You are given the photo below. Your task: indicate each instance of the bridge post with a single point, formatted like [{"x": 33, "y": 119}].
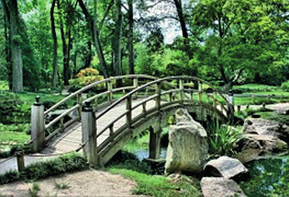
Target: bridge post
[
  {"x": 88, "y": 125},
  {"x": 135, "y": 85},
  {"x": 158, "y": 98},
  {"x": 109, "y": 88},
  {"x": 200, "y": 91},
  {"x": 128, "y": 108},
  {"x": 230, "y": 105},
  {"x": 37, "y": 125},
  {"x": 154, "y": 144},
  {"x": 181, "y": 86}
]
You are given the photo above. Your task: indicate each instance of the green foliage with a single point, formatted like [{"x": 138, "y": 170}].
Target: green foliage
[
  {"x": 269, "y": 177},
  {"x": 4, "y": 85},
  {"x": 12, "y": 109},
  {"x": 222, "y": 139},
  {"x": 61, "y": 185},
  {"x": 86, "y": 77},
  {"x": 285, "y": 86},
  {"x": 34, "y": 190},
  {"x": 56, "y": 166}
]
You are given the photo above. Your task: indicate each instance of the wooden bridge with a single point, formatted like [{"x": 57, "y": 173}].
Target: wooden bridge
[{"x": 102, "y": 117}]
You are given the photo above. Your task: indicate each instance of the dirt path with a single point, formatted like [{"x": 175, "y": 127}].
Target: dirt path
[{"x": 84, "y": 183}]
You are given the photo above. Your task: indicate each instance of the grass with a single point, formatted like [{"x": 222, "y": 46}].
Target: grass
[
  {"x": 61, "y": 185},
  {"x": 34, "y": 190},
  {"x": 255, "y": 87},
  {"x": 157, "y": 185}
]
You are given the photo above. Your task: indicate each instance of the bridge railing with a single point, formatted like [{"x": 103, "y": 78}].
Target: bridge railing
[
  {"x": 175, "y": 95},
  {"x": 51, "y": 126}
]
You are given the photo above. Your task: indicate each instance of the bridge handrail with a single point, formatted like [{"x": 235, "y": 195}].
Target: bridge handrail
[
  {"x": 78, "y": 105},
  {"x": 94, "y": 84},
  {"x": 156, "y": 82}
]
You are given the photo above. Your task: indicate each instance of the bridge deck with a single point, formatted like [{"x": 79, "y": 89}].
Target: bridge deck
[{"x": 71, "y": 138}]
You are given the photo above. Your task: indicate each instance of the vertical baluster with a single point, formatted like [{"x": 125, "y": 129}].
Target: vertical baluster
[
  {"x": 158, "y": 98},
  {"x": 181, "y": 86},
  {"x": 144, "y": 111},
  {"x": 128, "y": 109},
  {"x": 109, "y": 88},
  {"x": 200, "y": 91}
]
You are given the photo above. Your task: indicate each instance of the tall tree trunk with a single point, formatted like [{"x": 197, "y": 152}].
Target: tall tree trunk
[
  {"x": 17, "y": 81},
  {"x": 116, "y": 44},
  {"x": 94, "y": 34},
  {"x": 55, "y": 63},
  {"x": 97, "y": 42},
  {"x": 178, "y": 4},
  {"x": 88, "y": 56},
  {"x": 7, "y": 36},
  {"x": 130, "y": 37},
  {"x": 64, "y": 50},
  {"x": 69, "y": 47}
]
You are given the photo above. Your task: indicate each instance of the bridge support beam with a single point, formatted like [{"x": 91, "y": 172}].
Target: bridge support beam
[
  {"x": 89, "y": 134},
  {"x": 154, "y": 144},
  {"x": 37, "y": 126}
]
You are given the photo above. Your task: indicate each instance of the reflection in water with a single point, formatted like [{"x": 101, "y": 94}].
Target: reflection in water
[
  {"x": 268, "y": 177},
  {"x": 144, "y": 153}
]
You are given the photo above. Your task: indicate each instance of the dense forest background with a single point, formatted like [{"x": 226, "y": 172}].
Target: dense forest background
[{"x": 45, "y": 43}]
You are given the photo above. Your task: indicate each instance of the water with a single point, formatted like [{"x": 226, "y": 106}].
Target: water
[
  {"x": 144, "y": 153},
  {"x": 269, "y": 177}
]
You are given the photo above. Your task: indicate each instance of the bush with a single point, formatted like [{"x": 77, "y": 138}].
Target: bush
[
  {"x": 285, "y": 86},
  {"x": 12, "y": 109},
  {"x": 66, "y": 163},
  {"x": 86, "y": 77}
]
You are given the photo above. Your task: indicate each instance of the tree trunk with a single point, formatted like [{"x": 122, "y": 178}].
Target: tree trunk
[
  {"x": 17, "y": 81},
  {"x": 116, "y": 42},
  {"x": 130, "y": 36},
  {"x": 64, "y": 50},
  {"x": 55, "y": 63},
  {"x": 178, "y": 4},
  {"x": 69, "y": 47},
  {"x": 7, "y": 36},
  {"x": 88, "y": 56},
  {"x": 94, "y": 34}
]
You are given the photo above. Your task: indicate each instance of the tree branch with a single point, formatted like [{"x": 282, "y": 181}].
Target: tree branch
[{"x": 105, "y": 15}]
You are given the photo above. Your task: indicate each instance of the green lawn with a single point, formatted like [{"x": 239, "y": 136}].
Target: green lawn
[
  {"x": 160, "y": 186},
  {"x": 11, "y": 135}
]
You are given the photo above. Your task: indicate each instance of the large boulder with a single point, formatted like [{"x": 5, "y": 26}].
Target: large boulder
[
  {"x": 226, "y": 167},
  {"x": 253, "y": 146},
  {"x": 266, "y": 127},
  {"x": 188, "y": 149},
  {"x": 220, "y": 187}
]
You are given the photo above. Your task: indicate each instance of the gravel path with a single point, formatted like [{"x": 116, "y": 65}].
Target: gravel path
[{"x": 83, "y": 183}]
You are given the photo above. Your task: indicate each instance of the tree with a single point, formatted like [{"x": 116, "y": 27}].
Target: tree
[
  {"x": 130, "y": 36},
  {"x": 11, "y": 11},
  {"x": 55, "y": 62},
  {"x": 116, "y": 41},
  {"x": 241, "y": 37}
]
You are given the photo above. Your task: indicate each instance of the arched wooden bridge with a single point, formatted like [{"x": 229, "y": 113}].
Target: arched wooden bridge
[{"x": 120, "y": 113}]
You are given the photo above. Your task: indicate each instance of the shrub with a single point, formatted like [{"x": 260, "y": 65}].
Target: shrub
[
  {"x": 285, "y": 86},
  {"x": 12, "y": 109},
  {"x": 66, "y": 163},
  {"x": 86, "y": 77}
]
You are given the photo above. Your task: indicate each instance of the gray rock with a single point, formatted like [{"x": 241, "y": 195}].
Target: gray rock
[
  {"x": 220, "y": 187},
  {"x": 226, "y": 167},
  {"x": 267, "y": 143},
  {"x": 188, "y": 149},
  {"x": 266, "y": 127}
]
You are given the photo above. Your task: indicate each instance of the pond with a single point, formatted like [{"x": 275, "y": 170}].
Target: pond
[{"x": 269, "y": 177}]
